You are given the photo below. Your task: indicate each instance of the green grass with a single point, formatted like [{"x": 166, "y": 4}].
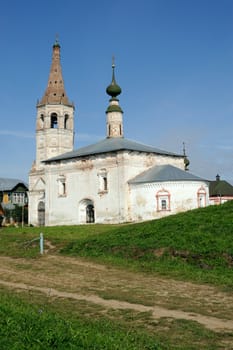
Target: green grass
[
  {"x": 25, "y": 326},
  {"x": 196, "y": 245},
  {"x": 27, "y": 323}
]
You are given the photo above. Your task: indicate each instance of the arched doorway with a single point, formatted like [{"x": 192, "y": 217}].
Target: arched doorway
[
  {"x": 41, "y": 214},
  {"x": 86, "y": 212},
  {"x": 90, "y": 214}
]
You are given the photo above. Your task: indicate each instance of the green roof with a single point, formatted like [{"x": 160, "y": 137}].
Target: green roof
[
  {"x": 220, "y": 188},
  {"x": 114, "y": 108}
]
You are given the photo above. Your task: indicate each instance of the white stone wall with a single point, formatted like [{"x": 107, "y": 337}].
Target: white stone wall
[
  {"x": 51, "y": 142},
  {"x": 183, "y": 196},
  {"x": 36, "y": 194},
  {"x": 82, "y": 182}
]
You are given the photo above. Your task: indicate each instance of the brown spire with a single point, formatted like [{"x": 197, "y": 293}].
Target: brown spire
[{"x": 55, "y": 92}]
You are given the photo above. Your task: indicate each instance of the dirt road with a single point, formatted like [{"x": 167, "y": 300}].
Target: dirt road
[{"x": 114, "y": 288}]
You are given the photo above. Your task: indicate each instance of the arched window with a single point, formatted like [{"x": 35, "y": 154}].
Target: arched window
[
  {"x": 66, "y": 122},
  {"x": 103, "y": 181},
  {"x": 54, "y": 122},
  {"x": 61, "y": 186},
  {"x": 41, "y": 121},
  {"x": 163, "y": 199},
  {"x": 201, "y": 197}
]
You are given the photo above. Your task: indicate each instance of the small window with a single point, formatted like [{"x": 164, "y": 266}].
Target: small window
[
  {"x": 163, "y": 204},
  {"x": 103, "y": 181},
  {"x": 41, "y": 121},
  {"x": 61, "y": 186},
  {"x": 163, "y": 200},
  {"x": 18, "y": 197},
  {"x": 66, "y": 120}
]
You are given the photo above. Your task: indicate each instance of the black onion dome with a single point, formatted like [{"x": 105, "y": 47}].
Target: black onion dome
[
  {"x": 113, "y": 89},
  {"x": 56, "y": 44},
  {"x": 186, "y": 162}
]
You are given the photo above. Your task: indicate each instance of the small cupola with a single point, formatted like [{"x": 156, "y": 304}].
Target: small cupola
[
  {"x": 114, "y": 112},
  {"x": 186, "y": 160}
]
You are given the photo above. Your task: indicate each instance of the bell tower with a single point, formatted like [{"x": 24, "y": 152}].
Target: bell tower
[
  {"x": 54, "y": 136},
  {"x": 55, "y": 116}
]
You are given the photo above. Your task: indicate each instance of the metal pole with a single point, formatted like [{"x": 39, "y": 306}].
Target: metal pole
[
  {"x": 41, "y": 244},
  {"x": 23, "y": 215}
]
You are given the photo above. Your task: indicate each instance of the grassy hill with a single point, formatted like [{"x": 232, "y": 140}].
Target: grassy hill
[{"x": 196, "y": 245}]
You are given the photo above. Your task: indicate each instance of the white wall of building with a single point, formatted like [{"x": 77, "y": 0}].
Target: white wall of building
[
  {"x": 83, "y": 177},
  {"x": 182, "y": 196}
]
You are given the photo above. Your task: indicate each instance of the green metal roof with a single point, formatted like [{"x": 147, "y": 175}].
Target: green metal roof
[
  {"x": 220, "y": 188},
  {"x": 114, "y": 108}
]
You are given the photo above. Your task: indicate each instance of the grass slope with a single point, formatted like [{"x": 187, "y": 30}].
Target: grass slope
[{"x": 195, "y": 245}]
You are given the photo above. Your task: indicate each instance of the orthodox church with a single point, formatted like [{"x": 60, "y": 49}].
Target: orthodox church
[{"x": 114, "y": 180}]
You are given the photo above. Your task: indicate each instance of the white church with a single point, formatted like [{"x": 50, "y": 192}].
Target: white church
[{"x": 115, "y": 180}]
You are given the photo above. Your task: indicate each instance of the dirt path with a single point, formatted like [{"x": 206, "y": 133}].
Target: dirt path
[{"x": 114, "y": 288}]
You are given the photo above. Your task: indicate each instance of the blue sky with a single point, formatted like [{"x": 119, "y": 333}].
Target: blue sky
[{"x": 174, "y": 63}]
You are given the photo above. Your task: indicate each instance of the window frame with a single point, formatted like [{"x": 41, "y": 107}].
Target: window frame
[
  {"x": 163, "y": 196},
  {"x": 201, "y": 194}
]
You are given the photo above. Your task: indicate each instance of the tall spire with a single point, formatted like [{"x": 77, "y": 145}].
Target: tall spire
[{"x": 55, "y": 91}]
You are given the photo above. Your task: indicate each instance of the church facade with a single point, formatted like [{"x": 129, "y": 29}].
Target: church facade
[{"x": 112, "y": 181}]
